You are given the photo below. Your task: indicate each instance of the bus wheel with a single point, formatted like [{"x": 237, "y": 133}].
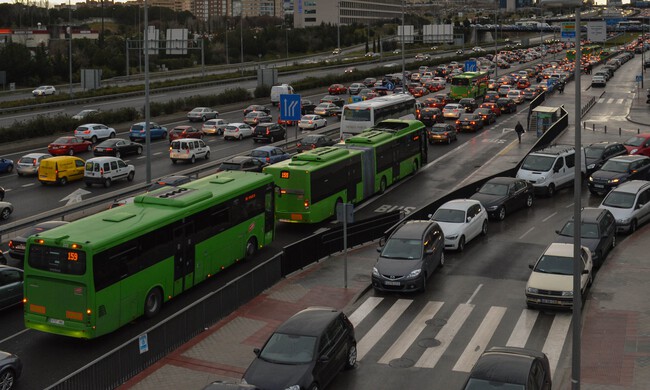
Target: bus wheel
[
  {"x": 336, "y": 206},
  {"x": 382, "y": 185},
  {"x": 416, "y": 166},
  {"x": 251, "y": 248},
  {"x": 153, "y": 303}
]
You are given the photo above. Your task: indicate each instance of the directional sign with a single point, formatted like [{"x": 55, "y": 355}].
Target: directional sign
[
  {"x": 470, "y": 66},
  {"x": 290, "y": 107},
  {"x": 568, "y": 30},
  {"x": 143, "y": 343}
]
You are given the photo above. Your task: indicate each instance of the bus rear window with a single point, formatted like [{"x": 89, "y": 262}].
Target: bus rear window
[
  {"x": 460, "y": 81},
  {"x": 362, "y": 115},
  {"x": 59, "y": 260}
]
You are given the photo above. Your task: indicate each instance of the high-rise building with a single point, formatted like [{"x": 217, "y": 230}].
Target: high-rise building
[{"x": 314, "y": 12}]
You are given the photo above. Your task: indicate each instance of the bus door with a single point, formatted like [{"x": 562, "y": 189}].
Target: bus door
[
  {"x": 368, "y": 169},
  {"x": 424, "y": 147},
  {"x": 269, "y": 214},
  {"x": 183, "y": 257}
]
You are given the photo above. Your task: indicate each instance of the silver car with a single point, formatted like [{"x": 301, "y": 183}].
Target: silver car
[
  {"x": 29, "y": 163},
  {"x": 214, "y": 126},
  {"x": 202, "y": 114}
]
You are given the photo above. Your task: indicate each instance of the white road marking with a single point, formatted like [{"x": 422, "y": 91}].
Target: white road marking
[
  {"x": 481, "y": 338},
  {"x": 601, "y": 100},
  {"x": 569, "y": 205},
  {"x": 524, "y": 326},
  {"x": 381, "y": 327},
  {"x": 469, "y": 301},
  {"x": 526, "y": 232},
  {"x": 14, "y": 335},
  {"x": 363, "y": 310},
  {"x": 549, "y": 217},
  {"x": 25, "y": 185},
  {"x": 555, "y": 339},
  {"x": 431, "y": 356},
  {"x": 620, "y": 101}
]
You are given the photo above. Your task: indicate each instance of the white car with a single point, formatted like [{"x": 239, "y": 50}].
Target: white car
[
  {"x": 516, "y": 95},
  {"x": 84, "y": 113},
  {"x": 630, "y": 205},
  {"x": 94, "y": 131},
  {"x": 214, "y": 126},
  {"x": 188, "y": 149},
  {"x": 452, "y": 110},
  {"x": 202, "y": 114},
  {"x": 44, "y": 90},
  {"x": 105, "y": 170},
  {"x": 504, "y": 89},
  {"x": 6, "y": 209},
  {"x": 551, "y": 282},
  {"x": 598, "y": 81},
  {"x": 461, "y": 220},
  {"x": 312, "y": 122},
  {"x": 237, "y": 131}
]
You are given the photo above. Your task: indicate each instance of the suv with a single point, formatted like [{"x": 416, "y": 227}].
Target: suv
[
  {"x": 630, "y": 204},
  {"x": 549, "y": 169},
  {"x": 597, "y": 153},
  {"x": 94, "y": 131},
  {"x": 618, "y": 170},
  {"x": 105, "y": 170},
  {"x": 269, "y": 132},
  {"x": 597, "y": 232},
  {"x": 409, "y": 257}
]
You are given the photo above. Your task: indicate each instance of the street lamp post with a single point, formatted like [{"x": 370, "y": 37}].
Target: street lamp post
[
  {"x": 147, "y": 113},
  {"x": 286, "y": 41},
  {"x": 496, "y": 63},
  {"x": 403, "y": 55},
  {"x": 70, "y": 44},
  {"x": 338, "y": 29},
  {"x": 241, "y": 40}
]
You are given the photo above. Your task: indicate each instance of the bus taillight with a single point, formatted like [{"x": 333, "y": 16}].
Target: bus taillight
[
  {"x": 306, "y": 203},
  {"x": 74, "y": 315}
]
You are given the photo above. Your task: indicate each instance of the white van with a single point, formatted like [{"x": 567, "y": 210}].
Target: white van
[
  {"x": 277, "y": 90},
  {"x": 105, "y": 170},
  {"x": 550, "y": 169}
]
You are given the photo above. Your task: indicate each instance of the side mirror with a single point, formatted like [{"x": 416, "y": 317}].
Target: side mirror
[
  {"x": 379, "y": 249},
  {"x": 257, "y": 351},
  {"x": 478, "y": 189},
  {"x": 556, "y": 170},
  {"x": 324, "y": 359},
  {"x": 557, "y": 232},
  {"x": 429, "y": 251},
  {"x": 531, "y": 266},
  {"x": 638, "y": 206},
  {"x": 469, "y": 219},
  {"x": 585, "y": 271}
]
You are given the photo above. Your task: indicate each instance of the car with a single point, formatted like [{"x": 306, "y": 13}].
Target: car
[
  {"x": 306, "y": 107},
  {"x": 83, "y": 114},
  {"x": 506, "y": 105},
  {"x": 312, "y": 122},
  {"x": 214, "y": 126},
  {"x": 618, "y": 170},
  {"x": 469, "y": 104},
  {"x": 269, "y": 132},
  {"x": 523, "y": 83},
  {"x": 327, "y": 109},
  {"x": 10, "y": 367},
  {"x": 503, "y": 195},
  {"x": 17, "y": 244},
  {"x": 598, "y": 153},
  {"x": 630, "y": 205},
  {"x": 276, "y": 92},
  {"x": 6, "y": 209},
  {"x": 314, "y": 141},
  {"x": 44, "y": 90},
  {"x": 137, "y": 131},
  {"x": 61, "y": 170},
  {"x": 336, "y": 100},
  {"x": 550, "y": 168},
  {"x": 442, "y": 132},
  {"x": 184, "y": 131},
  {"x": 105, "y": 170},
  {"x": 237, "y": 131},
  {"x": 597, "y": 232},
  {"x": 29, "y": 163},
  {"x": 434, "y": 102},
  {"x": 305, "y": 352},
  {"x": 337, "y": 89},
  {"x": 169, "y": 181},
  {"x": 492, "y": 106},
  {"x": 202, "y": 114},
  {"x": 369, "y": 81},
  {"x": 257, "y": 107},
  {"x": 469, "y": 121},
  {"x": 419, "y": 91},
  {"x": 188, "y": 149},
  {"x": 354, "y": 88},
  {"x": 598, "y": 81},
  {"x": 550, "y": 284},
  {"x": 269, "y": 154},
  {"x": 117, "y": 147},
  {"x": 491, "y": 96},
  {"x": 350, "y": 69},
  {"x": 6, "y": 165},
  {"x": 255, "y": 117},
  {"x": 639, "y": 144},
  {"x": 430, "y": 116},
  {"x": 459, "y": 51},
  {"x": 530, "y": 93},
  {"x": 94, "y": 131},
  {"x": 242, "y": 163},
  {"x": 488, "y": 116},
  {"x": 409, "y": 257},
  {"x": 510, "y": 368},
  {"x": 69, "y": 145},
  {"x": 452, "y": 110},
  {"x": 516, "y": 95},
  {"x": 461, "y": 220},
  {"x": 504, "y": 89}
]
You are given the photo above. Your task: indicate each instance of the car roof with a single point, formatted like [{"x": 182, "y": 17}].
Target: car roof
[
  {"x": 103, "y": 158},
  {"x": 602, "y": 144},
  {"x": 629, "y": 158},
  {"x": 412, "y": 229},
  {"x": 237, "y": 124},
  {"x": 632, "y": 186},
  {"x": 309, "y": 322},
  {"x": 505, "y": 365},
  {"x": 460, "y": 204},
  {"x": 34, "y": 155},
  {"x": 238, "y": 159},
  {"x": 503, "y": 180},
  {"x": 181, "y": 127}
]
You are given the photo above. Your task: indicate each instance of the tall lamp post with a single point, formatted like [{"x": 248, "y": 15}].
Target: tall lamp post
[
  {"x": 338, "y": 29},
  {"x": 147, "y": 113},
  {"x": 496, "y": 63},
  {"x": 403, "y": 55},
  {"x": 70, "y": 44}
]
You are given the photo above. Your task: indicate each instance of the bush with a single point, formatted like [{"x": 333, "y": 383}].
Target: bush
[{"x": 262, "y": 91}]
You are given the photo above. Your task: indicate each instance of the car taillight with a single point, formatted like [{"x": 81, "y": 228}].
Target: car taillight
[
  {"x": 268, "y": 131},
  {"x": 34, "y": 163},
  {"x": 11, "y": 244},
  {"x": 472, "y": 123},
  {"x": 458, "y": 122},
  {"x": 313, "y": 146},
  {"x": 87, "y": 132},
  {"x": 268, "y": 160}
]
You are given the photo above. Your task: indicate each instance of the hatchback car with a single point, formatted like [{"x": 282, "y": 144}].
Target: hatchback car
[
  {"x": 137, "y": 131},
  {"x": 314, "y": 141},
  {"x": 237, "y": 131},
  {"x": 506, "y": 105},
  {"x": 510, "y": 368},
  {"x": 516, "y": 95},
  {"x": 618, "y": 170},
  {"x": 336, "y": 100},
  {"x": 469, "y": 122},
  {"x": 337, "y": 89},
  {"x": 44, "y": 90},
  {"x": 597, "y": 153},
  {"x": 269, "y": 132},
  {"x": 69, "y": 145},
  {"x": 504, "y": 89},
  {"x": 597, "y": 232},
  {"x": 255, "y": 117},
  {"x": 491, "y": 97},
  {"x": 430, "y": 116},
  {"x": 11, "y": 292},
  {"x": 214, "y": 126},
  {"x": 639, "y": 144},
  {"x": 188, "y": 149},
  {"x": 530, "y": 93},
  {"x": 117, "y": 147},
  {"x": 305, "y": 352},
  {"x": 179, "y": 132},
  {"x": 488, "y": 116},
  {"x": 94, "y": 131},
  {"x": 105, "y": 170},
  {"x": 242, "y": 163},
  {"x": 442, "y": 133},
  {"x": 551, "y": 282},
  {"x": 29, "y": 163},
  {"x": 461, "y": 221},
  {"x": 354, "y": 88},
  {"x": 503, "y": 195},
  {"x": 469, "y": 104},
  {"x": 202, "y": 114},
  {"x": 598, "y": 81},
  {"x": 409, "y": 257},
  {"x": 312, "y": 122},
  {"x": 452, "y": 110},
  {"x": 270, "y": 154},
  {"x": 17, "y": 244},
  {"x": 630, "y": 205},
  {"x": 492, "y": 107}
]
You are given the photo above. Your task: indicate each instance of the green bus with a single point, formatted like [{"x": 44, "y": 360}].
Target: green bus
[
  {"x": 94, "y": 275},
  {"x": 586, "y": 51},
  {"x": 469, "y": 85},
  {"x": 309, "y": 186}
]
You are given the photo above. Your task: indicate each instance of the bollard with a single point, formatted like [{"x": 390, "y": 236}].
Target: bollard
[
  {"x": 619, "y": 131},
  {"x": 584, "y": 125},
  {"x": 605, "y": 129},
  {"x": 638, "y": 131},
  {"x": 593, "y": 127}
]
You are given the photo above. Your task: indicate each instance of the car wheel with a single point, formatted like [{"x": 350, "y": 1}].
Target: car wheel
[
  {"x": 63, "y": 181},
  {"x": 139, "y": 151},
  {"x": 6, "y": 212},
  {"x": 272, "y": 139},
  {"x": 613, "y": 242},
  {"x": 173, "y": 161},
  {"x": 424, "y": 282},
  {"x": 501, "y": 214},
  {"x": 152, "y": 303},
  {"x": 352, "y": 356},
  {"x": 550, "y": 190},
  {"x": 93, "y": 139},
  {"x": 251, "y": 248},
  {"x": 448, "y": 140},
  {"x": 193, "y": 159},
  {"x": 529, "y": 200},
  {"x": 71, "y": 152},
  {"x": 7, "y": 379},
  {"x": 89, "y": 184},
  {"x": 241, "y": 137},
  {"x": 203, "y": 118},
  {"x": 130, "y": 176},
  {"x": 107, "y": 182},
  {"x": 112, "y": 135},
  {"x": 484, "y": 228},
  {"x": 461, "y": 244},
  {"x": 442, "y": 259},
  {"x": 207, "y": 155},
  {"x": 163, "y": 136},
  {"x": 314, "y": 386},
  {"x": 632, "y": 226},
  {"x": 118, "y": 154}
]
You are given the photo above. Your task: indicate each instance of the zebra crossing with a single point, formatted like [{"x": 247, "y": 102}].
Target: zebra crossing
[
  {"x": 382, "y": 319},
  {"x": 617, "y": 101}
]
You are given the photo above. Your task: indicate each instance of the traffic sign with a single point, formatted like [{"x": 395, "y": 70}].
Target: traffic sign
[
  {"x": 568, "y": 30},
  {"x": 290, "y": 108},
  {"x": 389, "y": 86},
  {"x": 470, "y": 66}
]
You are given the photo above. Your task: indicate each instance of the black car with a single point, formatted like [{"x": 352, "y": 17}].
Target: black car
[
  {"x": 269, "y": 132},
  {"x": 430, "y": 116},
  {"x": 10, "y": 369},
  {"x": 257, "y": 107},
  {"x": 617, "y": 171},
  {"x": 409, "y": 257},
  {"x": 503, "y": 195},
  {"x": 306, "y": 107},
  {"x": 17, "y": 245},
  {"x": 510, "y": 368},
  {"x": 487, "y": 115},
  {"x": 597, "y": 232},
  {"x": 242, "y": 163},
  {"x": 442, "y": 133},
  {"x": 117, "y": 147},
  {"x": 11, "y": 288},
  {"x": 305, "y": 352},
  {"x": 173, "y": 181},
  {"x": 469, "y": 104},
  {"x": 369, "y": 82},
  {"x": 337, "y": 100},
  {"x": 597, "y": 153},
  {"x": 314, "y": 141},
  {"x": 469, "y": 121},
  {"x": 506, "y": 105}
]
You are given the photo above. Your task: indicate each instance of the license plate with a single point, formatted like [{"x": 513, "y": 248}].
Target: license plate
[
  {"x": 549, "y": 301},
  {"x": 391, "y": 283},
  {"x": 55, "y": 321},
  {"x": 599, "y": 186},
  {"x": 99, "y": 149},
  {"x": 20, "y": 247}
]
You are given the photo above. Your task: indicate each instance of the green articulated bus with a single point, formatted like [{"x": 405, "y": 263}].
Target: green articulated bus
[
  {"x": 469, "y": 85},
  {"x": 94, "y": 275},
  {"x": 309, "y": 186}
]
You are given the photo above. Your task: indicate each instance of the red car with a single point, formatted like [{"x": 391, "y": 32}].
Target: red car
[
  {"x": 337, "y": 89},
  {"x": 419, "y": 91},
  {"x": 523, "y": 83},
  {"x": 492, "y": 106},
  {"x": 179, "y": 132},
  {"x": 639, "y": 144},
  {"x": 69, "y": 146}
]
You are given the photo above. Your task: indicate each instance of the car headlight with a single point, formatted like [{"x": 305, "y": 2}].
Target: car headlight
[
  {"x": 294, "y": 387},
  {"x": 634, "y": 151},
  {"x": 623, "y": 221},
  {"x": 532, "y": 290},
  {"x": 590, "y": 178},
  {"x": 567, "y": 293},
  {"x": 613, "y": 181},
  {"x": 455, "y": 236},
  {"x": 591, "y": 166},
  {"x": 492, "y": 208},
  {"x": 375, "y": 272},
  {"x": 414, "y": 273}
]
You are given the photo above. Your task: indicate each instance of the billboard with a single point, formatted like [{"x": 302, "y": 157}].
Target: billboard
[
  {"x": 176, "y": 41},
  {"x": 438, "y": 33},
  {"x": 153, "y": 38},
  {"x": 408, "y": 34},
  {"x": 597, "y": 31}
]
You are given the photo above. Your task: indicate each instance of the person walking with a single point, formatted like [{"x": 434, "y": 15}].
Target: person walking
[
  {"x": 2, "y": 194},
  {"x": 560, "y": 87},
  {"x": 519, "y": 129}
]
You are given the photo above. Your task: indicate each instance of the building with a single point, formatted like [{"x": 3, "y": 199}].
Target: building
[{"x": 308, "y": 13}]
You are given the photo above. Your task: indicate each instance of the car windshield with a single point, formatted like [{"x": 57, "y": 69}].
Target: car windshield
[
  {"x": 592, "y": 152},
  {"x": 634, "y": 141},
  {"x": 137, "y": 127},
  {"x": 289, "y": 349},
  {"x": 494, "y": 189},
  {"x": 616, "y": 166},
  {"x": 439, "y": 129},
  {"x": 556, "y": 265},
  {"x": 621, "y": 200},
  {"x": 449, "y": 215},
  {"x": 587, "y": 230},
  {"x": 483, "y": 384},
  {"x": 538, "y": 163},
  {"x": 402, "y": 248},
  {"x": 259, "y": 153},
  {"x": 61, "y": 140}
]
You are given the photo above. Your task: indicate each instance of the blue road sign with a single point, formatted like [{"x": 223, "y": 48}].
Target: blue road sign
[
  {"x": 389, "y": 86},
  {"x": 290, "y": 107},
  {"x": 143, "y": 343},
  {"x": 470, "y": 66}
]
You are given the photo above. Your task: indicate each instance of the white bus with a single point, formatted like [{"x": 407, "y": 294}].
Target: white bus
[{"x": 357, "y": 117}]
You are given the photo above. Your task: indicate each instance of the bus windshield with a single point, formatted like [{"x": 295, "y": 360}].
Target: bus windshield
[{"x": 356, "y": 115}]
